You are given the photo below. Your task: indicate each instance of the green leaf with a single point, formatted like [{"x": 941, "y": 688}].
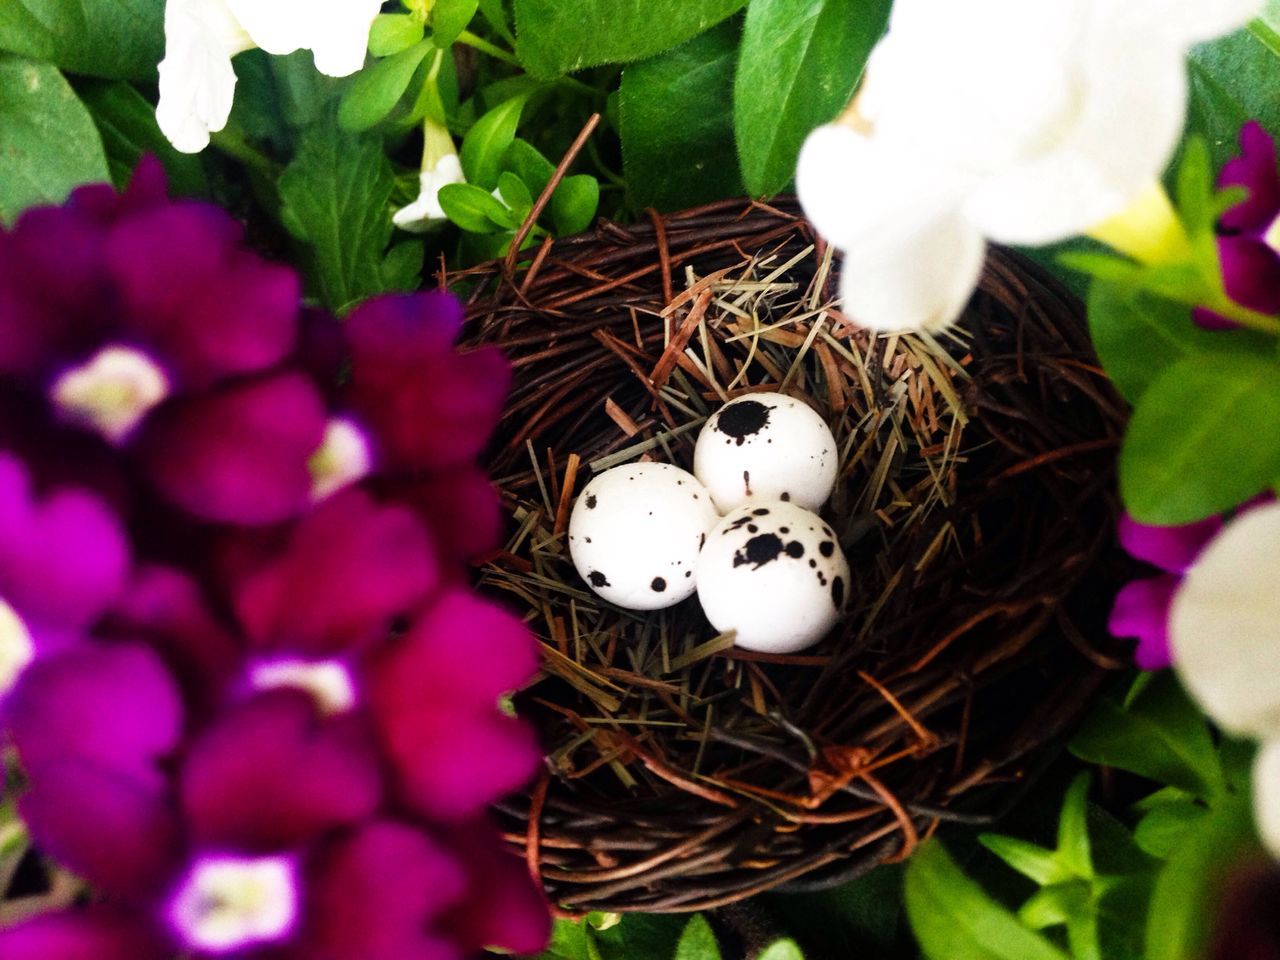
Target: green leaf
[
  {"x": 48, "y": 143},
  {"x": 1034, "y": 862},
  {"x": 676, "y": 124},
  {"x": 1138, "y": 335},
  {"x": 1231, "y": 80},
  {"x": 449, "y": 18},
  {"x": 799, "y": 63},
  {"x": 1266, "y": 27},
  {"x": 495, "y": 12},
  {"x": 524, "y": 160},
  {"x": 127, "y": 123},
  {"x": 1073, "y": 830},
  {"x": 560, "y": 36},
  {"x": 954, "y": 919},
  {"x": 573, "y": 205},
  {"x": 476, "y": 210},
  {"x": 1199, "y": 441},
  {"x": 379, "y": 88},
  {"x": 1184, "y": 900},
  {"x": 515, "y": 194},
  {"x": 336, "y": 200},
  {"x": 782, "y": 950},
  {"x": 115, "y": 39},
  {"x": 697, "y": 942},
  {"x": 1051, "y": 906},
  {"x": 1161, "y": 735},
  {"x": 394, "y": 33},
  {"x": 487, "y": 142},
  {"x": 1163, "y": 830}
]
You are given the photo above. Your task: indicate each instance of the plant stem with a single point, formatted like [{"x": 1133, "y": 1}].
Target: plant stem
[{"x": 484, "y": 46}]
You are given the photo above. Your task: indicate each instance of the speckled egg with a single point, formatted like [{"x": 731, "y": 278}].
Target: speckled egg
[
  {"x": 766, "y": 446},
  {"x": 774, "y": 573},
  {"x": 636, "y": 531}
]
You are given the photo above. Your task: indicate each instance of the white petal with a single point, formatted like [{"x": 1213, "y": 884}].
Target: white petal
[
  {"x": 340, "y": 34},
  {"x": 197, "y": 82},
  {"x": 916, "y": 278},
  {"x": 1130, "y": 97},
  {"x": 426, "y": 212},
  {"x": 277, "y": 26},
  {"x": 1266, "y": 795},
  {"x": 1225, "y": 626}
]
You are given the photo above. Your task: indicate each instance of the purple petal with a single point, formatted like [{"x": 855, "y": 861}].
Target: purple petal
[
  {"x": 118, "y": 834},
  {"x": 523, "y": 925},
  {"x": 63, "y": 558},
  {"x": 1250, "y": 273},
  {"x": 239, "y": 455},
  {"x": 86, "y": 933},
  {"x": 1170, "y": 548},
  {"x": 434, "y": 700},
  {"x": 462, "y": 509},
  {"x": 1254, "y": 169},
  {"x": 349, "y": 569},
  {"x": 117, "y": 707},
  {"x": 1141, "y": 610},
  {"x": 271, "y": 775},
  {"x": 375, "y": 895},
  {"x": 427, "y": 405}
]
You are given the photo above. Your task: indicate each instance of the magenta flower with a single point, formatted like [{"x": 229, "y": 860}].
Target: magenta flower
[
  {"x": 1141, "y": 608},
  {"x": 1249, "y": 241},
  {"x": 63, "y": 561}
]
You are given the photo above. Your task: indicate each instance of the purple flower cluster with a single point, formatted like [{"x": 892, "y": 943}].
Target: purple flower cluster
[{"x": 254, "y": 703}]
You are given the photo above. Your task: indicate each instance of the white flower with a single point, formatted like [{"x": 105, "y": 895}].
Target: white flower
[
  {"x": 1015, "y": 121},
  {"x": 425, "y": 212},
  {"x": 197, "y": 82},
  {"x": 1224, "y": 628},
  {"x": 1266, "y": 795},
  {"x": 440, "y": 167}
]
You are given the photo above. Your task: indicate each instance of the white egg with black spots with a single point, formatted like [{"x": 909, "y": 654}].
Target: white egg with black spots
[
  {"x": 775, "y": 574},
  {"x": 766, "y": 446},
  {"x": 636, "y": 531}
]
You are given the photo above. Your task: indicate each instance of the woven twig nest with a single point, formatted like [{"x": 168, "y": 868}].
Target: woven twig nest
[{"x": 974, "y": 499}]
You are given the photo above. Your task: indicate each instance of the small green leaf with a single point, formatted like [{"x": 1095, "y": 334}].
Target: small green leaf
[
  {"x": 697, "y": 942},
  {"x": 670, "y": 165},
  {"x": 378, "y": 89},
  {"x": 524, "y": 160},
  {"x": 486, "y": 143},
  {"x": 1195, "y": 445},
  {"x": 1050, "y": 906},
  {"x": 515, "y": 194},
  {"x": 48, "y": 142},
  {"x": 954, "y": 919},
  {"x": 573, "y": 205},
  {"x": 1160, "y": 735},
  {"x": 495, "y": 12},
  {"x": 449, "y": 18},
  {"x": 799, "y": 63},
  {"x": 782, "y": 950},
  {"x": 1167, "y": 825},
  {"x": 394, "y": 33},
  {"x": 475, "y": 209},
  {"x": 556, "y": 37},
  {"x": 1073, "y": 830},
  {"x": 1035, "y": 863}
]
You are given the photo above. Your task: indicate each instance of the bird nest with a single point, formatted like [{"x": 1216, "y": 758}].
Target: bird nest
[{"x": 975, "y": 497}]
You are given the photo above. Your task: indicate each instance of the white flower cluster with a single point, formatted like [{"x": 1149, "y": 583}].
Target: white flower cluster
[{"x": 1018, "y": 121}]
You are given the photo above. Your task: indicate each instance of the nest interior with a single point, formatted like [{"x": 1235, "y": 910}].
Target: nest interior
[{"x": 974, "y": 501}]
